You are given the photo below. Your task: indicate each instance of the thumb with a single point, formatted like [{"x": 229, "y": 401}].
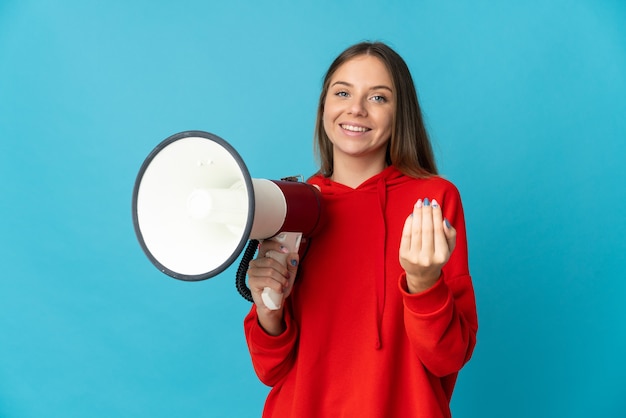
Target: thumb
[{"x": 293, "y": 262}]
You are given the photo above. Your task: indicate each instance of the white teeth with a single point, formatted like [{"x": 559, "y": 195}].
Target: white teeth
[{"x": 354, "y": 128}]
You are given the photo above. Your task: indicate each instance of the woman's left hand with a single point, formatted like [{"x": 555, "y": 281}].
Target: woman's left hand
[{"x": 427, "y": 242}]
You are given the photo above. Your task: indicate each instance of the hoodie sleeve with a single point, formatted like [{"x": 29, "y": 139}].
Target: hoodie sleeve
[
  {"x": 272, "y": 356},
  {"x": 441, "y": 322}
]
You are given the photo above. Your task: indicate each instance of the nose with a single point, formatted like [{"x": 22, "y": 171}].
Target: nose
[{"x": 357, "y": 107}]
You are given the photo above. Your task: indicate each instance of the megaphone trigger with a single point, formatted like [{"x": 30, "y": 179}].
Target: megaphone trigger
[{"x": 291, "y": 241}]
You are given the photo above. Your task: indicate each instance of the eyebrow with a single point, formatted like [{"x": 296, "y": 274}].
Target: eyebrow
[{"x": 345, "y": 83}]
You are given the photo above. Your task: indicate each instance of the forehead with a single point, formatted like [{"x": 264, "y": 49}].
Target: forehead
[{"x": 363, "y": 69}]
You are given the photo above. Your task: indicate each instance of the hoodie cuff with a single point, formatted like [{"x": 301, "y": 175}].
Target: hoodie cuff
[
  {"x": 429, "y": 301},
  {"x": 269, "y": 342}
]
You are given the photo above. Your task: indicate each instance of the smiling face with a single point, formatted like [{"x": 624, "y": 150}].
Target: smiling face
[{"x": 359, "y": 111}]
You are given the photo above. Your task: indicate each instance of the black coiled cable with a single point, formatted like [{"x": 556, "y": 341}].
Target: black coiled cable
[{"x": 240, "y": 280}]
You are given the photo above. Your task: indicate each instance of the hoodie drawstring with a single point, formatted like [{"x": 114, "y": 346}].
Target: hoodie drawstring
[{"x": 381, "y": 279}]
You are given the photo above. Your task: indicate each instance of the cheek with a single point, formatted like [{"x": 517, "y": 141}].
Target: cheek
[
  {"x": 332, "y": 109},
  {"x": 328, "y": 125},
  {"x": 328, "y": 117},
  {"x": 388, "y": 121}
]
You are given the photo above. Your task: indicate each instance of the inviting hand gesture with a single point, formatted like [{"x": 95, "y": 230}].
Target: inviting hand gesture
[{"x": 427, "y": 242}]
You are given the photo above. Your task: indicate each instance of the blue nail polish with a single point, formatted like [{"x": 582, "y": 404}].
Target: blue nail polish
[
  {"x": 426, "y": 202},
  {"x": 294, "y": 263},
  {"x": 447, "y": 222}
]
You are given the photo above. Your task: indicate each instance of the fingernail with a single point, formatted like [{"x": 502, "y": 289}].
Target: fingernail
[
  {"x": 294, "y": 262},
  {"x": 445, "y": 220},
  {"x": 435, "y": 204},
  {"x": 284, "y": 249},
  {"x": 418, "y": 204},
  {"x": 426, "y": 202}
]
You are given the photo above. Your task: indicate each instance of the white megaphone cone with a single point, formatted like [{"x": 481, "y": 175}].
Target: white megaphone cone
[{"x": 195, "y": 206}]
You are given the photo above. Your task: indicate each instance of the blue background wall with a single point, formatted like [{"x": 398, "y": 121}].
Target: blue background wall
[{"x": 526, "y": 104}]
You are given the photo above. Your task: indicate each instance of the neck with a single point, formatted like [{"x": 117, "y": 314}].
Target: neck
[{"x": 352, "y": 173}]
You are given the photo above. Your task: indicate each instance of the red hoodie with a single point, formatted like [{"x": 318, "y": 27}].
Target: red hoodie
[{"x": 357, "y": 344}]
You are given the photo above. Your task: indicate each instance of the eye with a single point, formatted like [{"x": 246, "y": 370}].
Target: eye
[
  {"x": 379, "y": 99},
  {"x": 341, "y": 93}
]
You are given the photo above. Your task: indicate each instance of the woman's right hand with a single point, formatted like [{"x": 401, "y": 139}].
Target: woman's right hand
[{"x": 267, "y": 272}]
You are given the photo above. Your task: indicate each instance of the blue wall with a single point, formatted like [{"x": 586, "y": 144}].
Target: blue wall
[{"x": 526, "y": 104}]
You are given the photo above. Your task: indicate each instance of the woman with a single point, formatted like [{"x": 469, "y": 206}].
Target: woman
[{"x": 382, "y": 315}]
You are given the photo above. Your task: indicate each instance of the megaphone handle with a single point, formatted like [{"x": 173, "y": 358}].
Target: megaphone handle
[{"x": 291, "y": 241}]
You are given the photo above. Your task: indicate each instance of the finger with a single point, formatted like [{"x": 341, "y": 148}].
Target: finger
[
  {"x": 440, "y": 239},
  {"x": 267, "y": 272},
  {"x": 427, "y": 229},
  {"x": 405, "y": 241},
  {"x": 416, "y": 226},
  {"x": 450, "y": 233},
  {"x": 269, "y": 263},
  {"x": 258, "y": 283},
  {"x": 270, "y": 245},
  {"x": 293, "y": 260}
]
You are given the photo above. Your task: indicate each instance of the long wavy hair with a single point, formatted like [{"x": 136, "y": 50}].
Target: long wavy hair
[{"x": 409, "y": 148}]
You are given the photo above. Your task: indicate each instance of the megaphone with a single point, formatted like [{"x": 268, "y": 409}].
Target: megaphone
[{"x": 195, "y": 206}]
